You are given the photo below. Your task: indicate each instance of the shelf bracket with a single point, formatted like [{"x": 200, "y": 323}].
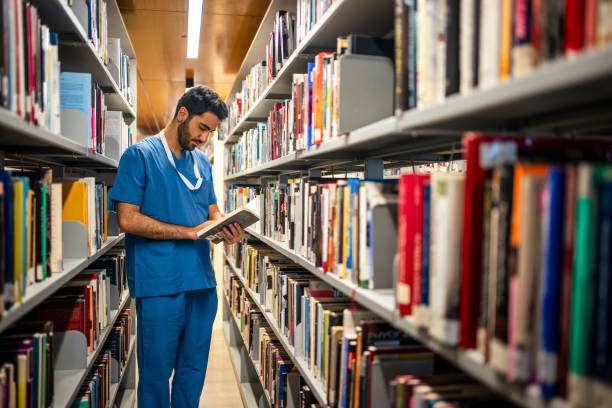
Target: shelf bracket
[{"x": 374, "y": 169}]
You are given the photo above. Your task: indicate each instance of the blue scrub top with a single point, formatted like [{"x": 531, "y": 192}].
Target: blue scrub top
[{"x": 146, "y": 178}]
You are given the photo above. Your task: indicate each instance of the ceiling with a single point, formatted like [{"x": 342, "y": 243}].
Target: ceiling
[{"x": 158, "y": 29}]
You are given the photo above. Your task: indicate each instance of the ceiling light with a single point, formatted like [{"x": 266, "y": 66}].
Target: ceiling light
[{"x": 194, "y": 20}]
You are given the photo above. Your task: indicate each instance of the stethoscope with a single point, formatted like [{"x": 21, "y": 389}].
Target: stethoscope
[{"x": 171, "y": 160}]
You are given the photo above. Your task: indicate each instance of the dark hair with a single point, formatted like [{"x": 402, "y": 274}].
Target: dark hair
[{"x": 201, "y": 99}]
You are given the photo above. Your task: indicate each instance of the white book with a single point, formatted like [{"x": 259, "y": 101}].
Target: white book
[
  {"x": 441, "y": 21},
  {"x": 324, "y": 223},
  {"x": 466, "y": 41},
  {"x": 244, "y": 216},
  {"x": 447, "y": 190},
  {"x": 490, "y": 43}
]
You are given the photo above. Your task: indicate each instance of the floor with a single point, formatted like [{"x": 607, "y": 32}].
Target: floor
[{"x": 220, "y": 388}]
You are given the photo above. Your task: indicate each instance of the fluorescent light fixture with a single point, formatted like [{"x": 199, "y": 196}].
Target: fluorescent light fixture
[{"x": 194, "y": 21}]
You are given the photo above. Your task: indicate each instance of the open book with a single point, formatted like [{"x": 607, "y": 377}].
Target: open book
[{"x": 244, "y": 216}]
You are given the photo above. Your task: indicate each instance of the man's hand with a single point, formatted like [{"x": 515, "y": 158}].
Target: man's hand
[
  {"x": 232, "y": 233},
  {"x": 193, "y": 231}
]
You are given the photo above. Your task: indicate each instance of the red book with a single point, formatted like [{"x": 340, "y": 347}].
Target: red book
[
  {"x": 66, "y": 314},
  {"x": 590, "y": 23},
  {"x": 410, "y": 242},
  {"x": 566, "y": 279},
  {"x": 574, "y": 26}
]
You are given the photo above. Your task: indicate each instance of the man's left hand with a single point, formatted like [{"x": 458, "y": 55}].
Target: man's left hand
[{"x": 232, "y": 233}]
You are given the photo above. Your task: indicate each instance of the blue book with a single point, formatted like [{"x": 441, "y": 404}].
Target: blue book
[
  {"x": 603, "y": 265},
  {"x": 311, "y": 66},
  {"x": 36, "y": 370},
  {"x": 412, "y": 54},
  {"x": 9, "y": 277},
  {"x": 75, "y": 93},
  {"x": 426, "y": 239},
  {"x": 353, "y": 185},
  {"x": 551, "y": 285}
]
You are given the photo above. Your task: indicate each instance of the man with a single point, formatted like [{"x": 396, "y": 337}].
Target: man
[{"x": 164, "y": 195}]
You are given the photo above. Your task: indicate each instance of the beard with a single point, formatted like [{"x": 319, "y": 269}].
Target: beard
[{"x": 184, "y": 136}]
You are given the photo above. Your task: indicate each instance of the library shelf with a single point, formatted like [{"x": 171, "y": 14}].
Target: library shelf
[
  {"x": 382, "y": 302},
  {"x": 287, "y": 162},
  {"x": 68, "y": 382},
  {"x": 343, "y": 16},
  {"x": 115, "y": 387},
  {"x": 61, "y": 18},
  {"x": 315, "y": 385},
  {"x": 38, "y": 292},
  {"x": 554, "y": 95},
  {"x": 27, "y": 142},
  {"x": 564, "y": 93},
  {"x": 248, "y": 389},
  {"x": 128, "y": 397}
]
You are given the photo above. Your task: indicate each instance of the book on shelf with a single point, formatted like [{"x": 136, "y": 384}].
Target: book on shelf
[
  {"x": 30, "y": 66},
  {"x": 446, "y": 47},
  {"x": 243, "y": 216},
  {"x": 353, "y": 354},
  {"x": 107, "y": 369},
  {"x": 314, "y": 114}
]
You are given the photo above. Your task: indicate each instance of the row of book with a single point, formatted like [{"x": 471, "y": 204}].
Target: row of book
[
  {"x": 33, "y": 209},
  {"x": 27, "y": 358},
  {"x": 253, "y": 86},
  {"x": 446, "y": 47},
  {"x": 489, "y": 258},
  {"x": 312, "y": 115},
  {"x": 280, "y": 378},
  {"x": 27, "y": 365},
  {"x": 309, "y": 13},
  {"x": 509, "y": 257},
  {"x": 278, "y": 50},
  {"x": 30, "y": 67},
  {"x": 112, "y": 360},
  {"x": 349, "y": 350},
  {"x": 109, "y": 49},
  {"x": 86, "y": 118}
]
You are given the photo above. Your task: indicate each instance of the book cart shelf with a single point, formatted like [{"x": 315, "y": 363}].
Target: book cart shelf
[
  {"x": 25, "y": 146},
  {"x": 563, "y": 95}
]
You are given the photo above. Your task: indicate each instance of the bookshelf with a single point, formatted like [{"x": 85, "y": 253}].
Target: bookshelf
[
  {"x": 37, "y": 293},
  {"x": 245, "y": 369},
  {"x": 315, "y": 385},
  {"x": 24, "y": 145},
  {"x": 568, "y": 95},
  {"x": 68, "y": 382}
]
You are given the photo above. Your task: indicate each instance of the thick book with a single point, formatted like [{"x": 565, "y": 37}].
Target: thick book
[{"x": 244, "y": 216}]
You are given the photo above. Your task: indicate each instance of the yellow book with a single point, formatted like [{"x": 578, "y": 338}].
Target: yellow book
[
  {"x": 506, "y": 39},
  {"x": 74, "y": 197},
  {"x": 18, "y": 231},
  {"x": 22, "y": 373}
]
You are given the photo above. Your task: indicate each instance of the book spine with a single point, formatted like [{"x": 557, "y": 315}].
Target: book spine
[
  {"x": 452, "y": 46},
  {"x": 506, "y": 40},
  {"x": 604, "y": 22},
  {"x": 580, "y": 340},
  {"x": 467, "y": 29},
  {"x": 404, "y": 282},
  {"x": 523, "y": 54},
  {"x": 471, "y": 260},
  {"x": 402, "y": 61},
  {"x": 552, "y": 273},
  {"x": 574, "y": 26}
]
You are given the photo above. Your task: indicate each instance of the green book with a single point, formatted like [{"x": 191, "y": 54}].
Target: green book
[{"x": 581, "y": 319}]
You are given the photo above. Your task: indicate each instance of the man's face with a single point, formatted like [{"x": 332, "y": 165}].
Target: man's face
[{"x": 195, "y": 129}]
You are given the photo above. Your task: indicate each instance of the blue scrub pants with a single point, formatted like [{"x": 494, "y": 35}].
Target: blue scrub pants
[{"x": 174, "y": 333}]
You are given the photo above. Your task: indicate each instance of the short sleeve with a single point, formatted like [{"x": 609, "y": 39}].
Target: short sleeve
[
  {"x": 131, "y": 178},
  {"x": 212, "y": 198}
]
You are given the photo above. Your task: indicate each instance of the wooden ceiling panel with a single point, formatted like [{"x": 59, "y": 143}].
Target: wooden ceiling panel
[{"x": 158, "y": 29}]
